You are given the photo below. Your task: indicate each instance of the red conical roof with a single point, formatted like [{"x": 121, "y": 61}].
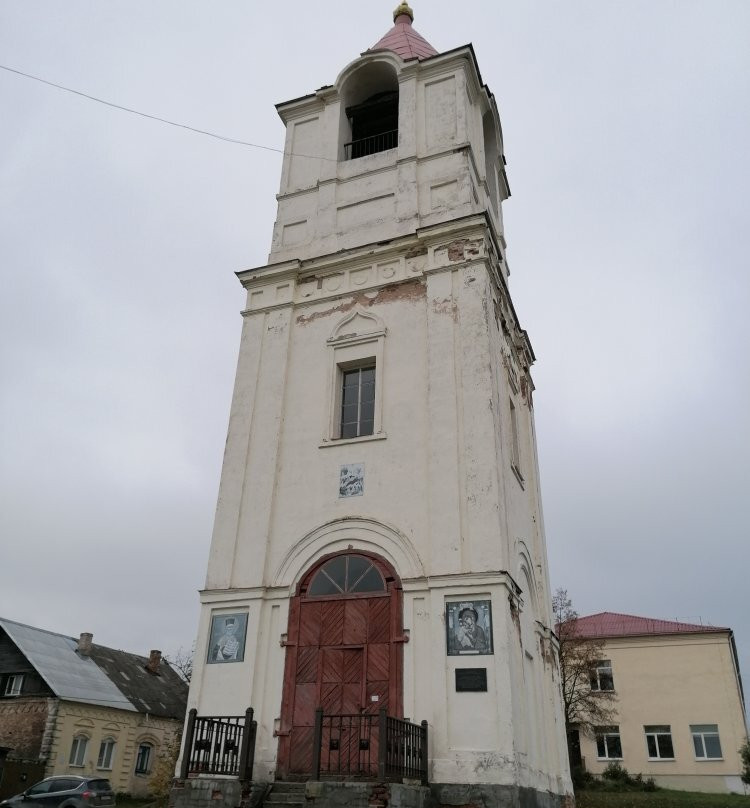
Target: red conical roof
[{"x": 403, "y": 39}]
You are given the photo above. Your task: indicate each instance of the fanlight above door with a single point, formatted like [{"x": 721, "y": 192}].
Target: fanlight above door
[{"x": 346, "y": 574}]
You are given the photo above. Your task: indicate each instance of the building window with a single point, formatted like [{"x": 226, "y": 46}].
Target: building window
[
  {"x": 608, "y": 745},
  {"x": 373, "y": 124},
  {"x": 78, "y": 750},
  {"x": 106, "y": 753},
  {"x": 346, "y": 574},
  {"x": 355, "y": 383},
  {"x": 659, "y": 742},
  {"x": 357, "y": 402},
  {"x": 706, "y": 741},
  {"x": 13, "y": 684},
  {"x": 601, "y": 676},
  {"x": 515, "y": 452},
  {"x": 143, "y": 759}
]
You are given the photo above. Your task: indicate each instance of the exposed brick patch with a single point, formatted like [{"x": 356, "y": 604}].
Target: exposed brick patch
[
  {"x": 379, "y": 794},
  {"x": 22, "y": 723},
  {"x": 410, "y": 290},
  {"x": 463, "y": 249}
]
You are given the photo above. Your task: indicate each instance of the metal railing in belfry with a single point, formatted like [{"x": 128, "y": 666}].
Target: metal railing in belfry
[
  {"x": 371, "y": 145},
  {"x": 369, "y": 747},
  {"x": 219, "y": 745}
]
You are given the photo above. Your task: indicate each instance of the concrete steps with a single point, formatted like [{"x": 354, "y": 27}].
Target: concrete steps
[{"x": 285, "y": 795}]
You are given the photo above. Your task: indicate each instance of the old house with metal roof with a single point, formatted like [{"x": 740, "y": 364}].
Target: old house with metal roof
[
  {"x": 71, "y": 706},
  {"x": 680, "y": 711}
]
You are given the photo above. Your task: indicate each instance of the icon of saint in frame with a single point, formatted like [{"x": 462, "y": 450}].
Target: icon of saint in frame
[{"x": 468, "y": 625}]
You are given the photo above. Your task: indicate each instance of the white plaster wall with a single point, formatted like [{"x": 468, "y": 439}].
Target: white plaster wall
[
  {"x": 440, "y": 499},
  {"x": 425, "y": 263},
  {"x": 327, "y": 204}
]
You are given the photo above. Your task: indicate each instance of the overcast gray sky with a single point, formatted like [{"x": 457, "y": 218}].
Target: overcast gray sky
[{"x": 626, "y": 133}]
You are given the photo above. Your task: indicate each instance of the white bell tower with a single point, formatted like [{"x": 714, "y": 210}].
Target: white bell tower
[{"x": 378, "y": 542}]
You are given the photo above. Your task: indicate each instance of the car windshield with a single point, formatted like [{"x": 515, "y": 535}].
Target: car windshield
[{"x": 100, "y": 785}]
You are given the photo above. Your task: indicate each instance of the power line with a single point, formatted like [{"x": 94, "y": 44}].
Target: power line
[{"x": 159, "y": 119}]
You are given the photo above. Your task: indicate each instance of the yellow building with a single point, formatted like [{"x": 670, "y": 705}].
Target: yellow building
[
  {"x": 69, "y": 706},
  {"x": 680, "y": 712}
]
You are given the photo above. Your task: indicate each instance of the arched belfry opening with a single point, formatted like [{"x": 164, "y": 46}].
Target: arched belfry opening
[
  {"x": 369, "y": 111},
  {"x": 343, "y": 651}
]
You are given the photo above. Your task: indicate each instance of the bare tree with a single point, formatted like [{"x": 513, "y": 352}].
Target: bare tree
[
  {"x": 586, "y": 702},
  {"x": 182, "y": 662}
]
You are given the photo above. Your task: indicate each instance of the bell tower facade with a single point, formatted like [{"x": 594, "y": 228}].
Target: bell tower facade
[{"x": 378, "y": 545}]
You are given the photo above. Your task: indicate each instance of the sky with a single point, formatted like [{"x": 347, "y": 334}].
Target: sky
[{"x": 626, "y": 135}]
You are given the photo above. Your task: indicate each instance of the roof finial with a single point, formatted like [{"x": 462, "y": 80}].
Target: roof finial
[{"x": 403, "y": 9}]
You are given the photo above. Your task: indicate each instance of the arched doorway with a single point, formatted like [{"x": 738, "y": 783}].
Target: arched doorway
[{"x": 344, "y": 650}]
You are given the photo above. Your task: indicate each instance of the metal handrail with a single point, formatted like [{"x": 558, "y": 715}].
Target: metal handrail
[
  {"x": 219, "y": 745},
  {"x": 371, "y": 145},
  {"x": 369, "y": 746}
]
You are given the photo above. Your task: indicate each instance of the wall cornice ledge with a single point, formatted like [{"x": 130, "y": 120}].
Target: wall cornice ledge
[{"x": 460, "y": 581}]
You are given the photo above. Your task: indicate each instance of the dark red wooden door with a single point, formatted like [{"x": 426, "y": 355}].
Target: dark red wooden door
[{"x": 343, "y": 654}]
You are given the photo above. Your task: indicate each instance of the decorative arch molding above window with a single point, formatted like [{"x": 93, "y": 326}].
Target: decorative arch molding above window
[
  {"x": 353, "y": 535},
  {"x": 526, "y": 578},
  {"x": 359, "y": 325},
  {"x": 355, "y": 385}
]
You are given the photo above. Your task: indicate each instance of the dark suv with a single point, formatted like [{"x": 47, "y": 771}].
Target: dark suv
[{"x": 64, "y": 791}]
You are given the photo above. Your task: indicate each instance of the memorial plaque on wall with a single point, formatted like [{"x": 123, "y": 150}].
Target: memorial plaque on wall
[{"x": 471, "y": 680}]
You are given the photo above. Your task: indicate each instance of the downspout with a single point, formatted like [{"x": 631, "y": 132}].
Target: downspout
[{"x": 736, "y": 661}]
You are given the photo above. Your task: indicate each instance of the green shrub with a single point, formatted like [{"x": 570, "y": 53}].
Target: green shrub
[
  {"x": 617, "y": 773},
  {"x": 615, "y": 778},
  {"x": 745, "y": 757}
]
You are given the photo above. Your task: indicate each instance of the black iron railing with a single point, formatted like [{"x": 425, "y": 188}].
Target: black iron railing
[
  {"x": 371, "y": 145},
  {"x": 219, "y": 745},
  {"x": 405, "y": 753},
  {"x": 369, "y": 747}
]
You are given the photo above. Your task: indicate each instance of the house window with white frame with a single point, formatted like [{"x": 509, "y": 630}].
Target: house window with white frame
[
  {"x": 143, "y": 759},
  {"x": 608, "y": 744},
  {"x": 78, "y": 751},
  {"x": 706, "y": 741},
  {"x": 106, "y": 754},
  {"x": 659, "y": 742},
  {"x": 358, "y": 401},
  {"x": 601, "y": 676},
  {"x": 14, "y": 684}
]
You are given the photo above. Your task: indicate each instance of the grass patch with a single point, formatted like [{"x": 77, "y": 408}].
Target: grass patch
[{"x": 662, "y": 798}]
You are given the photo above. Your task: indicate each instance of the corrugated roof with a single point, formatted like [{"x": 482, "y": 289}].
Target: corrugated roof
[
  {"x": 163, "y": 694},
  {"x": 404, "y": 40},
  {"x": 105, "y": 677},
  {"x": 613, "y": 624},
  {"x": 70, "y": 676}
]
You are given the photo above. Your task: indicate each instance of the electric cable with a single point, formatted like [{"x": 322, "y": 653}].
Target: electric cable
[{"x": 161, "y": 120}]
